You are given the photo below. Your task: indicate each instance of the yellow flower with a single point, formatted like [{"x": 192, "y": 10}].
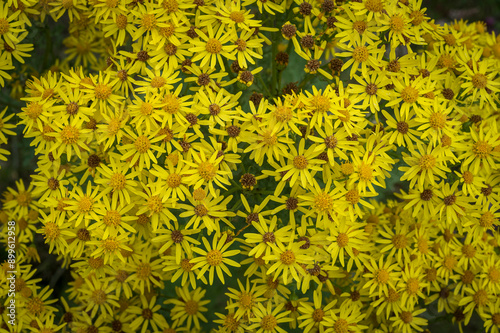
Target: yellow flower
[
  {"x": 211, "y": 48},
  {"x": 288, "y": 260},
  {"x": 147, "y": 315},
  {"x": 100, "y": 297},
  {"x": 189, "y": 307},
  {"x": 362, "y": 52},
  {"x": 382, "y": 276},
  {"x": 408, "y": 322},
  {"x": 269, "y": 318},
  {"x": 246, "y": 300},
  {"x": 215, "y": 258},
  {"x": 315, "y": 316}
]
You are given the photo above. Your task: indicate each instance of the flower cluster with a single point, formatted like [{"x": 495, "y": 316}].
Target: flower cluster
[{"x": 177, "y": 156}]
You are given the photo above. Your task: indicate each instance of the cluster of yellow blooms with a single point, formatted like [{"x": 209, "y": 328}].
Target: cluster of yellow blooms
[{"x": 168, "y": 162}]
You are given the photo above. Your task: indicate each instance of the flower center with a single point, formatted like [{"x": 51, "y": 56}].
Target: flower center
[
  {"x": 4, "y": 26},
  {"x": 318, "y": 315},
  {"x": 70, "y": 134},
  {"x": 409, "y": 94},
  {"x": 246, "y": 300},
  {"x": 112, "y": 218},
  {"x": 171, "y": 104},
  {"x": 399, "y": 241},
  {"x": 117, "y": 181},
  {"x": 214, "y": 257},
  {"x": 397, "y": 24},
  {"x": 191, "y": 307},
  {"x": 360, "y": 54},
  {"x": 365, "y": 172},
  {"x": 99, "y": 296},
  {"x": 487, "y": 220},
  {"x": 207, "y": 171},
  {"x": 406, "y": 317},
  {"x": 142, "y": 144},
  {"x": 102, "y": 91},
  {"x": 174, "y": 180},
  {"x": 213, "y": 46},
  {"x": 155, "y": 204},
  {"x": 342, "y": 239},
  {"x": 268, "y": 322},
  {"x": 323, "y": 202},
  {"x": 481, "y": 297},
  {"x": 287, "y": 257},
  {"x": 437, "y": 120},
  {"x": 148, "y": 21},
  {"x": 482, "y": 149},
  {"x": 360, "y": 26},
  {"x": 341, "y": 326},
  {"x": 237, "y": 16},
  {"x": 121, "y": 21},
  {"x": 374, "y": 5},
  {"x": 382, "y": 276},
  {"x": 300, "y": 162},
  {"x": 427, "y": 162},
  {"x": 51, "y": 230}
]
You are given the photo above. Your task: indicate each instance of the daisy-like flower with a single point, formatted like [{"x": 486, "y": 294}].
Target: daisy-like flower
[
  {"x": 362, "y": 53},
  {"x": 56, "y": 231},
  {"x": 491, "y": 317},
  {"x": 211, "y": 47},
  {"x": 147, "y": 316},
  {"x": 269, "y": 318},
  {"x": 145, "y": 272},
  {"x": 142, "y": 147},
  {"x": 348, "y": 317},
  {"x": 408, "y": 322},
  {"x": 325, "y": 202},
  {"x": 477, "y": 299},
  {"x": 411, "y": 93},
  {"x": 480, "y": 80},
  {"x": 315, "y": 316},
  {"x": 246, "y": 300},
  {"x": 215, "y": 258},
  {"x": 246, "y": 45},
  {"x": 179, "y": 238},
  {"x": 10, "y": 26},
  {"x": 267, "y": 235},
  {"x": 313, "y": 64},
  {"x": 100, "y": 90},
  {"x": 403, "y": 132},
  {"x": 398, "y": 240},
  {"x": 288, "y": 260},
  {"x": 114, "y": 217},
  {"x": 83, "y": 205},
  {"x": 71, "y": 138},
  {"x": 354, "y": 25},
  {"x": 156, "y": 205},
  {"x": 425, "y": 166},
  {"x": 183, "y": 269},
  {"x": 454, "y": 204},
  {"x": 205, "y": 171},
  {"x": 188, "y": 307},
  {"x": 481, "y": 151},
  {"x": 345, "y": 239},
  {"x": 174, "y": 178},
  {"x": 208, "y": 212},
  {"x": 302, "y": 163},
  {"x": 100, "y": 297},
  {"x": 117, "y": 178},
  {"x": 382, "y": 276},
  {"x": 218, "y": 105}
]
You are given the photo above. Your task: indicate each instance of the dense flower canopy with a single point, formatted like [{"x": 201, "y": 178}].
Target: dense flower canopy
[{"x": 253, "y": 166}]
